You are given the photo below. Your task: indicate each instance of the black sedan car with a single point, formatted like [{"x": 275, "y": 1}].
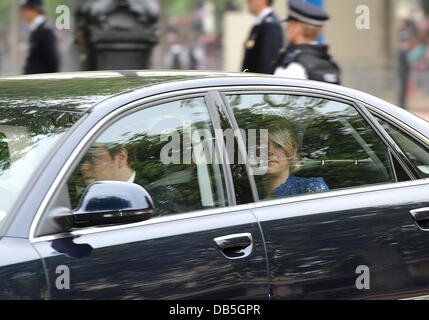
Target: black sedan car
[{"x": 188, "y": 185}]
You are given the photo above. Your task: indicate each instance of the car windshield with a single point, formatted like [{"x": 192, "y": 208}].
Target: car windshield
[{"x": 26, "y": 137}]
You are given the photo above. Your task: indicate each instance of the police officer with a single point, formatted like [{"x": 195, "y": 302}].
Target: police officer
[
  {"x": 43, "y": 54},
  {"x": 265, "y": 39},
  {"x": 304, "y": 58}
]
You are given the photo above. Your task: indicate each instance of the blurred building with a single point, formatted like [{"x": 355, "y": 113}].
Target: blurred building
[
  {"x": 364, "y": 55},
  {"x": 368, "y": 57},
  {"x": 210, "y": 35}
]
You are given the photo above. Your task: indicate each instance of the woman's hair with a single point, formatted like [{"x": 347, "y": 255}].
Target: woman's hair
[{"x": 284, "y": 134}]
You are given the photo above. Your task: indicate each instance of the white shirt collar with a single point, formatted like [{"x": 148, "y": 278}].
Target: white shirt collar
[
  {"x": 37, "y": 22},
  {"x": 263, "y": 15},
  {"x": 133, "y": 177}
]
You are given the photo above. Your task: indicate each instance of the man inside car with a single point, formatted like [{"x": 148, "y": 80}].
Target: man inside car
[
  {"x": 104, "y": 163},
  {"x": 110, "y": 162}
]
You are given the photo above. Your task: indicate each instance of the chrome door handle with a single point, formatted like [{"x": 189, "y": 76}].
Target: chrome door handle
[
  {"x": 235, "y": 246},
  {"x": 421, "y": 217}
]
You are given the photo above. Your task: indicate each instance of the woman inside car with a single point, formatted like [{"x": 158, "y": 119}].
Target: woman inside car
[{"x": 283, "y": 158}]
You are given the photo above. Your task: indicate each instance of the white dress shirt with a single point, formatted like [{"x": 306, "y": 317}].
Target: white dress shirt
[
  {"x": 36, "y": 23},
  {"x": 263, "y": 14},
  {"x": 133, "y": 177}
]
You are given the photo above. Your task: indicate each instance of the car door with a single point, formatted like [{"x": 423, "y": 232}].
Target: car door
[
  {"x": 197, "y": 245},
  {"x": 340, "y": 225}
]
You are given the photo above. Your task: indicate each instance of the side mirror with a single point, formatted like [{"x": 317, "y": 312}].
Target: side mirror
[{"x": 112, "y": 202}]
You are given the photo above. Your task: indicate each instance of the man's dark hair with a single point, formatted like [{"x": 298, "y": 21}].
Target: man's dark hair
[
  {"x": 113, "y": 148},
  {"x": 270, "y": 2}
]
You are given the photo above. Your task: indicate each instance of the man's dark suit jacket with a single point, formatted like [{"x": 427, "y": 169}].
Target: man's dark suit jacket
[
  {"x": 263, "y": 45},
  {"x": 43, "y": 54}
]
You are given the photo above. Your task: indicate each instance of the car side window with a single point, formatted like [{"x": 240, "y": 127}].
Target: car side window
[
  {"x": 168, "y": 149},
  {"x": 300, "y": 145},
  {"x": 417, "y": 153}
]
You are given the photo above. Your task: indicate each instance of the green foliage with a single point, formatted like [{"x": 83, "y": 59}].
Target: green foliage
[
  {"x": 38, "y": 122},
  {"x": 4, "y": 153},
  {"x": 183, "y": 8},
  {"x": 5, "y": 7},
  {"x": 76, "y": 94},
  {"x": 51, "y": 5},
  {"x": 180, "y": 9}
]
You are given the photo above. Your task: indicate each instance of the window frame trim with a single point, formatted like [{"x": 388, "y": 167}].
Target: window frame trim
[
  {"x": 210, "y": 100},
  {"x": 241, "y": 144}
]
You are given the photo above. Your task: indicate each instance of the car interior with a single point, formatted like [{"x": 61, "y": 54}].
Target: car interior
[{"x": 334, "y": 150}]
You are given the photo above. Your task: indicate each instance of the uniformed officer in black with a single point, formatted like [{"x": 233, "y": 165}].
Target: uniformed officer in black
[
  {"x": 304, "y": 58},
  {"x": 265, "y": 40},
  {"x": 43, "y": 54}
]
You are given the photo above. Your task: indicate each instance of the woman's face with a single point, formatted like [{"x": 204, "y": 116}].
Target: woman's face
[{"x": 278, "y": 159}]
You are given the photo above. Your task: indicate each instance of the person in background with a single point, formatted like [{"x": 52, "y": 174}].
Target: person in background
[
  {"x": 265, "y": 39},
  {"x": 43, "y": 54},
  {"x": 304, "y": 58},
  {"x": 404, "y": 68}
]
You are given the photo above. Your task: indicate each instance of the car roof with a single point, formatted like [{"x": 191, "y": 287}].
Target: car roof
[
  {"x": 82, "y": 91},
  {"x": 79, "y": 91}
]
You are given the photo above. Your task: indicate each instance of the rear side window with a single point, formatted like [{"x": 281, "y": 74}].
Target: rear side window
[
  {"x": 417, "y": 153},
  {"x": 306, "y": 144}
]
